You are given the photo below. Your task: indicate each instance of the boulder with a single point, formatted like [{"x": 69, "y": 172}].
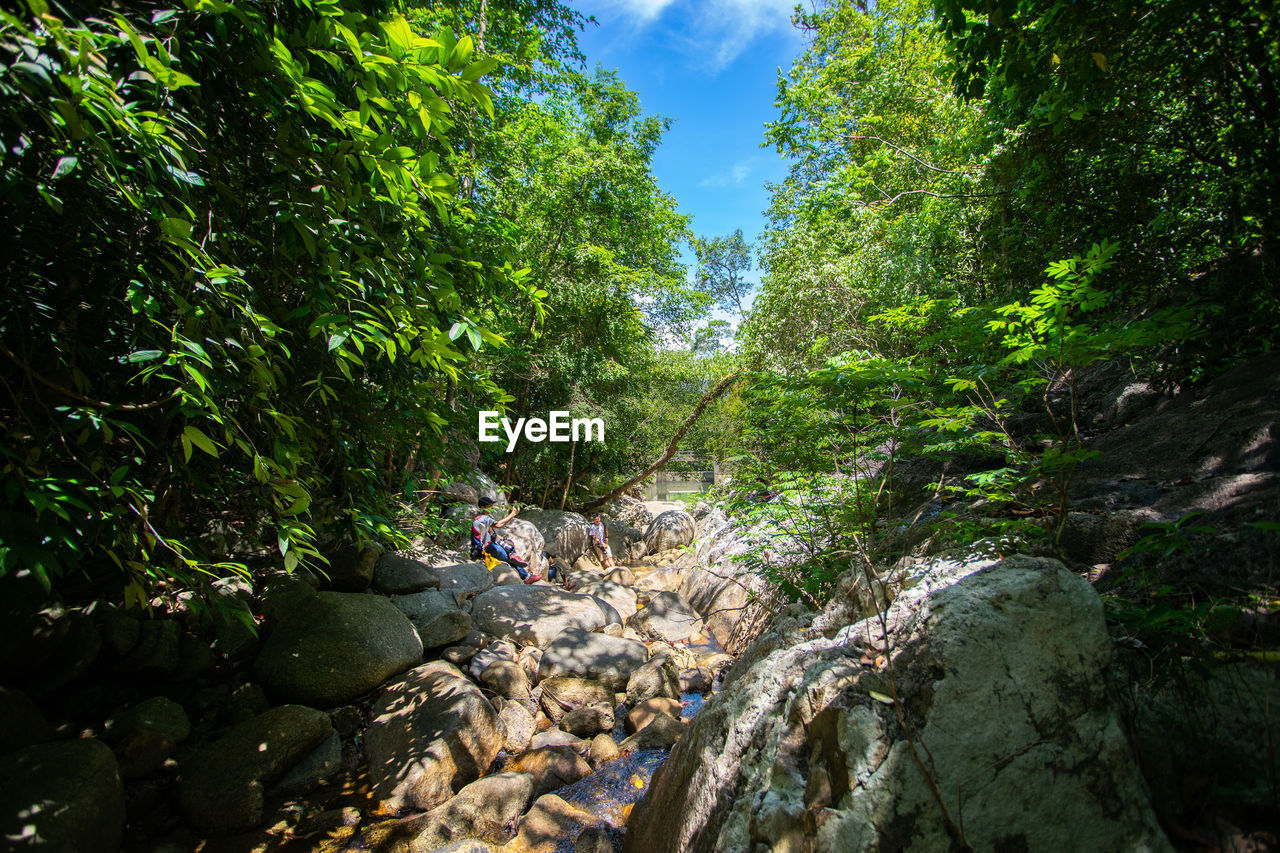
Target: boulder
[
  {"x": 397, "y": 574},
  {"x": 658, "y": 678},
  {"x": 72, "y": 657},
  {"x": 610, "y": 660},
  {"x": 550, "y": 823},
  {"x": 435, "y": 615},
  {"x": 485, "y": 808},
  {"x": 594, "y": 839},
  {"x": 158, "y": 650},
  {"x": 534, "y": 614},
  {"x": 603, "y": 749},
  {"x": 528, "y": 541},
  {"x": 564, "y": 693},
  {"x": 464, "y": 578},
  {"x": 647, "y": 711},
  {"x": 520, "y": 727},
  {"x": 621, "y": 598},
  {"x": 431, "y": 732},
  {"x": 1003, "y": 668},
  {"x": 564, "y": 533},
  {"x": 323, "y": 761},
  {"x": 587, "y": 722},
  {"x": 556, "y": 737},
  {"x": 21, "y": 723},
  {"x": 352, "y": 568},
  {"x": 485, "y": 658},
  {"x": 671, "y": 529},
  {"x": 667, "y": 617},
  {"x": 626, "y": 542},
  {"x": 698, "y": 679},
  {"x": 222, "y": 784},
  {"x": 621, "y": 575},
  {"x": 552, "y": 767},
  {"x": 333, "y": 647},
  {"x": 506, "y": 678},
  {"x": 158, "y": 713},
  {"x": 661, "y": 731},
  {"x": 80, "y": 780}
]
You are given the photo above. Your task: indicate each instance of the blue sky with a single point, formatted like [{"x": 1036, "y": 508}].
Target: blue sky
[{"x": 712, "y": 66}]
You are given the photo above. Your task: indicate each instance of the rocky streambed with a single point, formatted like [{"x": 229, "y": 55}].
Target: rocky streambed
[{"x": 440, "y": 704}]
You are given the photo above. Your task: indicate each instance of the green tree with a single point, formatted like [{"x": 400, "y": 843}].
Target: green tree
[{"x": 722, "y": 261}]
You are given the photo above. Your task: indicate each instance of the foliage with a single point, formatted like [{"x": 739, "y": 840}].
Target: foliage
[
  {"x": 721, "y": 264},
  {"x": 229, "y": 286}
]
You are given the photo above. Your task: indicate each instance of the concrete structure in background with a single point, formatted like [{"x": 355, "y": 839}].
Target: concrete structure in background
[{"x": 687, "y": 474}]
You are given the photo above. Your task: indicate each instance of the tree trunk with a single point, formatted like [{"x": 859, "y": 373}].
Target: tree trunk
[
  {"x": 716, "y": 391},
  {"x": 568, "y": 481}
]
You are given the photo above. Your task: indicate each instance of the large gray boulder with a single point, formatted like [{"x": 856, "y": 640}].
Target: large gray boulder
[
  {"x": 529, "y": 542},
  {"x": 431, "y": 732},
  {"x": 735, "y": 602},
  {"x": 483, "y": 809},
  {"x": 610, "y": 660},
  {"x": 564, "y": 533},
  {"x": 397, "y": 574},
  {"x": 435, "y": 615},
  {"x": 62, "y": 796},
  {"x": 222, "y": 784},
  {"x": 535, "y": 614},
  {"x": 667, "y": 617},
  {"x": 333, "y": 647},
  {"x": 621, "y": 598},
  {"x": 465, "y": 578},
  {"x": 671, "y": 529},
  {"x": 1001, "y": 667},
  {"x": 626, "y": 542}
]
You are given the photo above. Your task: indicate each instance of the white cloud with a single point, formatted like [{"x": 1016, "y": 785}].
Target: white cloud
[
  {"x": 737, "y": 174},
  {"x": 713, "y": 33}
]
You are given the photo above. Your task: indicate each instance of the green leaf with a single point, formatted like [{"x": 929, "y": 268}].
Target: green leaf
[
  {"x": 64, "y": 167},
  {"x": 200, "y": 440}
]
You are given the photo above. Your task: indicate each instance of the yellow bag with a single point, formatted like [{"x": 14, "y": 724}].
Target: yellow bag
[{"x": 491, "y": 562}]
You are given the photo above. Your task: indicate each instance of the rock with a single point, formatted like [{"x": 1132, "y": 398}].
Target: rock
[
  {"x": 464, "y": 578},
  {"x": 80, "y": 779},
  {"x": 21, "y": 723},
  {"x": 324, "y": 761},
  {"x": 461, "y": 492},
  {"x": 333, "y": 647},
  {"x": 696, "y": 679},
  {"x": 587, "y": 722},
  {"x": 535, "y": 614},
  {"x": 431, "y": 732},
  {"x": 1002, "y": 666},
  {"x": 647, "y": 711},
  {"x": 71, "y": 657},
  {"x": 528, "y": 541},
  {"x": 659, "y": 677},
  {"x": 328, "y": 820},
  {"x": 485, "y": 658},
  {"x": 486, "y": 808},
  {"x": 352, "y": 568},
  {"x": 119, "y": 630},
  {"x": 661, "y": 732},
  {"x": 594, "y": 839},
  {"x": 564, "y": 533},
  {"x": 603, "y": 749},
  {"x": 621, "y": 598},
  {"x": 550, "y": 822},
  {"x": 556, "y": 737},
  {"x": 281, "y": 592},
  {"x": 247, "y": 701},
  {"x": 626, "y": 542},
  {"x": 397, "y": 574},
  {"x": 506, "y": 678},
  {"x": 668, "y": 617},
  {"x": 222, "y": 784},
  {"x": 159, "y": 714},
  {"x": 459, "y": 656},
  {"x": 158, "y": 650},
  {"x": 520, "y": 727},
  {"x": 28, "y": 635},
  {"x": 564, "y": 693},
  {"x": 671, "y": 529},
  {"x": 610, "y": 660},
  {"x": 435, "y": 616},
  {"x": 530, "y": 659},
  {"x": 552, "y": 767},
  {"x": 622, "y": 576}
]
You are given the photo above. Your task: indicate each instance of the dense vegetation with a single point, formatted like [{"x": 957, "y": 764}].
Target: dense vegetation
[{"x": 263, "y": 262}]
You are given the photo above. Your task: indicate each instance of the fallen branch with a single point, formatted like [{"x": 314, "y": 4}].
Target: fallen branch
[{"x": 716, "y": 391}]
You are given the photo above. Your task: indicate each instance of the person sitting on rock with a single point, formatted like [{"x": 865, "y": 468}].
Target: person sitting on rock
[
  {"x": 599, "y": 535},
  {"x": 485, "y": 541}
]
